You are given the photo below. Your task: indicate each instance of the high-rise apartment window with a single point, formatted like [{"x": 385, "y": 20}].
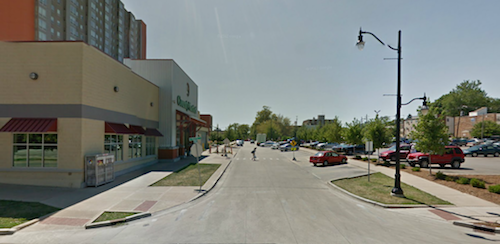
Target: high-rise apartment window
[
  {"x": 42, "y": 11},
  {"x": 113, "y": 144},
  {"x": 43, "y": 2},
  {"x": 35, "y": 150},
  {"x": 42, "y": 24},
  {"x": 42, "y": 36}
]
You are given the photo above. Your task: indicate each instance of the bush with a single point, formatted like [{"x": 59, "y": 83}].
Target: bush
[
  {"x": 416, "y": 169},
  {"x": 440, "y": 175},
  {"x": 365, "y": 159},
  {"x": 402, "y": 166},
  {"x": 357, "y": 157},
  {"x": 494, "y": 189},
  {"x": 373, "y": 159},
  {"x": 387, "y": 164},
  {"x": 477, "y": 183},
  {"x": 450, "y": 178},
  {"x": 463, "y": 180}
]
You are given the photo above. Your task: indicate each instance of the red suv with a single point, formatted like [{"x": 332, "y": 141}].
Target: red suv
[
  {"x": 453, "y": 156},
  {"x": 390, "y": 154}
]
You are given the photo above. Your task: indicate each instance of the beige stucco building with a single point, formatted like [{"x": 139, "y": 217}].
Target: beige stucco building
[{"x": 60, "y": 101}]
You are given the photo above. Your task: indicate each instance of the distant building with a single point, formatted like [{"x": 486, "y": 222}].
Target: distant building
[
  {"x": 313, "y": 123},
  {"x": 106, "y": 25},
  {"x": 461, "y": 126},
  {"x": 408, "y": 126}
]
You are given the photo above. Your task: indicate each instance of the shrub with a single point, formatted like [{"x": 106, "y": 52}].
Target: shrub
[
  {"x": 440, "y": 175},
  {"x": 373, "y": 159},
  {"x": 357, "y": 157},
  {"x": 416, "y": 169},
  {"x": 365, "y": 159},
  {"x": 450, "y": 178},
  {"x": 477, "y": 183},
  {"x": 402, "y": 166},
  {"x": 463, "y": 180},
  {"x": 494, "y": 189},
  {"x": 386, "y": 164}
]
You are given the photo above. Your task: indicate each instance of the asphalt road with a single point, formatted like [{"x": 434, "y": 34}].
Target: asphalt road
[{"x": 271, "y": 200}]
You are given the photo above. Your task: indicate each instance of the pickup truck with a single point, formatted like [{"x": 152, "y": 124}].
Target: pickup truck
[{"x": 453, "y": 156}]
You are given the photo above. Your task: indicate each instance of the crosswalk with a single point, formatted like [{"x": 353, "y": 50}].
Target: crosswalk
[{"x": 243, "y": 159}]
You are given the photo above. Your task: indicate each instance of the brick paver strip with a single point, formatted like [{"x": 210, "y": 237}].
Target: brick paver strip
[
  {"x": 444, "y": 215},
  {"x": 145, "y": 206},
  {"x": 65, "y": 221}
]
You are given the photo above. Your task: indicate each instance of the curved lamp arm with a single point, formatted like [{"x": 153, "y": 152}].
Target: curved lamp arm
[{"x": 417, "y": 98}]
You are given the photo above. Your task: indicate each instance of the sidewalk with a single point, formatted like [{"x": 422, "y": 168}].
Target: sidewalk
[{"x": 129, "y": 193}]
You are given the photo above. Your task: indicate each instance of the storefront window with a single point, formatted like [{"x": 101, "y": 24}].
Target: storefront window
[
  {"x": 150, "y": 145},
  {"x": 113, "y": 144},
  {"x": 35, "y": 150},
  {"x": 134, "y": 146}
]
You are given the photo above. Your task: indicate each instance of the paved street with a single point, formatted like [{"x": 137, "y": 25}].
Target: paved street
[{"x": 271, "y": 200}]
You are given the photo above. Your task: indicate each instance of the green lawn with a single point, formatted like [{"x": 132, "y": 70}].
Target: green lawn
[
  {"x": 189, "y": 176},
  {"x": 13, "y": 213},
  {"x": 113, "y": 215},
  {"x": 379, "y": 189}
]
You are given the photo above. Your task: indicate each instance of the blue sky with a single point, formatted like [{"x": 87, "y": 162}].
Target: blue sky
[{"x": 299, "y": 57}]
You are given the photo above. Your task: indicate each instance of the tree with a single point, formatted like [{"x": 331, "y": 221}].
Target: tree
[
  {"x": 466, "y": 97},
  {"x": 376, "y": 130},
  {"x": 332, "y": 132},
  {"x": 485, "y": 129},
  {"x": 431, "y": 133},
  {"x": 353, "y": 132},
  {"x": 243, "y": 131}
]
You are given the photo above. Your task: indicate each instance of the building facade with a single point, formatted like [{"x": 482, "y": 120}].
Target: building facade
[
  {"x": 313, "y": 123},
  {"x": 104, "y": 24},
  {"x": 461, "y": 126},
  {"x": 61, "y": 101}
]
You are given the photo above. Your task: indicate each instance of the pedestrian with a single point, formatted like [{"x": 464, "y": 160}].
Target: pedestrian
[{"x": 253, "y": 154}]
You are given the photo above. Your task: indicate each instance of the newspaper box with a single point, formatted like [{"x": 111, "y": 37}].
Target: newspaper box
[{"x": 99, "y": 169}]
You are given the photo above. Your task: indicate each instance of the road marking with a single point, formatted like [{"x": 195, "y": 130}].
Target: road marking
[
  {"x": 264, "y": 158},
  {"x": 244, "y": 158},
  {"x": 316, "y": 176},
  {"x": 181, "y": 214},
  {"x": 270, "y": 159}
]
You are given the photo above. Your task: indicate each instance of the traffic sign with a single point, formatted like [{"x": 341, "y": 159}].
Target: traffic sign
[
  {"x": 293, "y": 143},
  {"x": 196, "y": 150},
  {"x": 226, "y": 141}
]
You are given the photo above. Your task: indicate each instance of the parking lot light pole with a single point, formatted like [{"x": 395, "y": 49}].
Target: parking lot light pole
[{"x": 396, "y": 191}]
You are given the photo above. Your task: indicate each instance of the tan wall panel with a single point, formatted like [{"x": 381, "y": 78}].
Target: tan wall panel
[
  {"x": 93, "y": 138},
  {"x": 133, "y": 163},
  {"x": 101, "y": 74},
  {"x": 5, "y": 146},
  {"x": 59, "y": 179},
  {"x": 57, "y": 64},
  {"x": 69, "y": 143}
]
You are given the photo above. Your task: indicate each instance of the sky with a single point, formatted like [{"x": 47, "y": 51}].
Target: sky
[{"x": 299, "y": 57}]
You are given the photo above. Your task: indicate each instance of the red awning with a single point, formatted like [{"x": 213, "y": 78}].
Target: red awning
[
  {"x": 137, "y": 129},
  {"x": 117, "y": 128},
  {"x": 30, "y": 125},
  {"x": 152, "y": 132}
]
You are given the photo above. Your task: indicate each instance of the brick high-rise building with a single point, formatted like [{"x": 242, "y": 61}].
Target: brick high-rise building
[{"x": 104, "y": 24}]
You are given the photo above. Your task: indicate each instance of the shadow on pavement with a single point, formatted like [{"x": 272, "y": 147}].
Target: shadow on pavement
[{"x": 62, "y": 197}]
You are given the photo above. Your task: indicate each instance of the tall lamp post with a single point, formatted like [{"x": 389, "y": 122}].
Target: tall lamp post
[{"x": 396, "y": 191}]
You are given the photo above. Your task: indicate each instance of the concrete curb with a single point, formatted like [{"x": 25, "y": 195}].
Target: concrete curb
[
  {"x": 117, "y": 221},
  {"x": 477, "y": 226},
  {"x": 216, "y": 181},
  {"x": 374, "y": 202},
  {"x": 13, "y": 230}
]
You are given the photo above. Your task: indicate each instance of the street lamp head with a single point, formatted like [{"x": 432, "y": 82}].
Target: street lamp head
[{"x": 360, "y": 44}]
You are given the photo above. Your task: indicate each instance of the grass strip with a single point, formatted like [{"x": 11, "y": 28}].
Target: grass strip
[
  {"x": 379, "y": 189},
  {"x": 113, "y": 215},
  {"x": 189, "y": 176},
  {"x": 14, "y": 213}
]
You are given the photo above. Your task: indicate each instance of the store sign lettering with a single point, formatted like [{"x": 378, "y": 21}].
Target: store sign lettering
[{"x": 186, "y": 105}]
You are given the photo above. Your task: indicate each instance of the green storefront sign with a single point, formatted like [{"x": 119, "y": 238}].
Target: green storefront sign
[{"x": 186, "y": 105}]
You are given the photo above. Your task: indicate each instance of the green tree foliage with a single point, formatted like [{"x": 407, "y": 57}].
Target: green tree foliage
[
  {"x": 243, "y": 131},
  {"x": 376, "y": 130},
  {"x": 466, "y": 97},
  {"x": 431, "y": 133},
  {"x": 275, "y": 126},
  {"x": 353, "y": 132},
  {"x": 236, "y": 131},
  {"x": 485, "y": 129}
]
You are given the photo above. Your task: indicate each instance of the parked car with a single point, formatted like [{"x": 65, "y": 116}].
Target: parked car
[
  {"x": 390, "y": 154},
  {"x": 453, "y": 156},
  {"x": 252, "y": 141},
  {"x": 459, "y": 142},
  {"x": 473, "y": 142},
  {"x": 275, "y": 146},
  {"x": 266, "y": 144},
  {"x": 239, "y": 143},
  {"x": 484, "y": 149},
  {"x": 327, "y": 157},
  {"x": 288, "y": 147}
]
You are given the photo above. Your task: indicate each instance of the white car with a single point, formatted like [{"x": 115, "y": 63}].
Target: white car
[
  {"x": 239, "y": 143},
  {"x": 275, "y": 146}
]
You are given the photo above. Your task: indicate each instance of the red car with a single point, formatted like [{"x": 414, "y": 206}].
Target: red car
[
  {"x": 327, "y": 157},
  {"x": 390, "y": 154},
  {"x": 453, "y": 156}
]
